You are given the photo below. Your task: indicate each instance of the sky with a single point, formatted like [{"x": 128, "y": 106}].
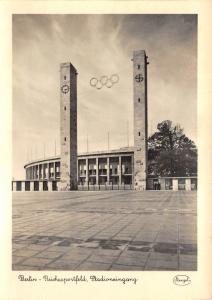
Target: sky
[{"x": 99, "y": 45}]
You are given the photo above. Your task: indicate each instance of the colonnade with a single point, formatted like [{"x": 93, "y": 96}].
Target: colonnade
[
  {"x": 43, "y": 171},
  {"x": 84, "y": 175},
  {"x": 26, "y": 185}
]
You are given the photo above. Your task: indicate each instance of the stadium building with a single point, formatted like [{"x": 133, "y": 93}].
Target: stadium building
[{"x": 124, "y": 168}]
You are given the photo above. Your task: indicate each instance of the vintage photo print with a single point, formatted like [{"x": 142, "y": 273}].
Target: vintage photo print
[
  {"x": 105, "y": 142},
  {"x": 105, "y": 158}
]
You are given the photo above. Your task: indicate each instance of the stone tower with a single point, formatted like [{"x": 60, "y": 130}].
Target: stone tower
[
  {"x": 68, "y": 127},
  {"x": 140, "y": 118}
]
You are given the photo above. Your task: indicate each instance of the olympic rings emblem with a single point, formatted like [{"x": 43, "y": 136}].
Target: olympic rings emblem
[{"x": 104, "y": 81}]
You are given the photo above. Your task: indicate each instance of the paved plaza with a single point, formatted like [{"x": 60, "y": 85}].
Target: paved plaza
[{"x": 104, "y": 230}]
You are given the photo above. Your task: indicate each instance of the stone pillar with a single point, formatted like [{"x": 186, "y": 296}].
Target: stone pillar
[
  {"x": 188, "y": 184},
  {"x": 140, "y": 118},
  {"x": 87, "y": 172},
  {"x": 49, "y": 186},
  {"x": 108, "y": 170},
  {"x": 48, "y": 166},
  {"x": 54, "y": 168},
  {"x": 175, "y": 184},
  {"x": 68, "y": 126},
  {"x": 97, "y": 170},
  {"x": 14, "y": 186},
  {"x": 43, "y": 171},
  {"x": 40, "y": 185},
  {"x": 23, "y": 185},
  {"x": 120, "y": 170},
  {"x": 31, "y": 186}
]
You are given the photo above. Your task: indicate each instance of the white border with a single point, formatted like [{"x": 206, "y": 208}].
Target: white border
[{"x": 151, "y": 285}]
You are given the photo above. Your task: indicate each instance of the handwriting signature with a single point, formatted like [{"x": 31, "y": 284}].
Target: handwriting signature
[{"x": 181, "y": 280}]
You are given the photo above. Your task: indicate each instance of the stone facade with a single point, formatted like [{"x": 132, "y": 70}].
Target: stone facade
[
  {"x": 140, "y": 118},
  {"x": 68, "y": 127}
]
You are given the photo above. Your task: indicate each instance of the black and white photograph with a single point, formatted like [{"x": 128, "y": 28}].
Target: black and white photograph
[{"x": 104, "y": 142}]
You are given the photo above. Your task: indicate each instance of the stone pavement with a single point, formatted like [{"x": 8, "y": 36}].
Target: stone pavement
[{"x": 104, "y": 230}]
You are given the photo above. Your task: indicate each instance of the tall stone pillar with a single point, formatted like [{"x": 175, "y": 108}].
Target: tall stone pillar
[
  {"x": 119, "y": 170},
  {"x": 68, "y": 126},
  {"x": 97, "y": 170},
  {"x": 140, "y": 118}
]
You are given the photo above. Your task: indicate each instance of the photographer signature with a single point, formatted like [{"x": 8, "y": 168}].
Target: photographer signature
[{"x": 181, "y": 280}]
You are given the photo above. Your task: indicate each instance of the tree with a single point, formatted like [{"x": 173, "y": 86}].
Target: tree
[{"x": 170, "y": 152}]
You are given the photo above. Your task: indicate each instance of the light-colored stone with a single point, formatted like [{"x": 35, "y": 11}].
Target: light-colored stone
[
  {"x": 23, "y": 185},
  {"x": 175, "y": 184},
  {"x": 188, "y": 184},
  {"x": 40, "y": 185},
  {"x": 68, "y": 126},
  {"x": 140, "y": 118}
]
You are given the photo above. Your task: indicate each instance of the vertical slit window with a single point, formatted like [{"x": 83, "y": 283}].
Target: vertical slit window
[{"x": 139, "y": 133}]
